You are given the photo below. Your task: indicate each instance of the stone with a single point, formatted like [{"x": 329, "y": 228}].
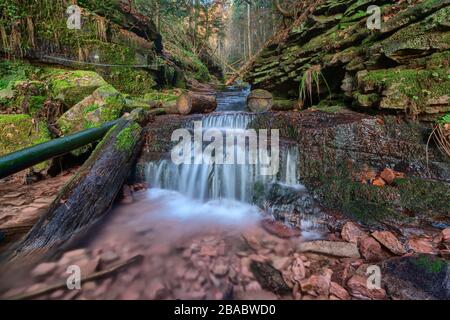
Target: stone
[
  {"x": 334, "y": 248},
  {"x": 281, "y": 263},
  {"x": 379, "y": 182},
  {"x": 298, "y": 270},
  {"x": 420, "y": 245},
  {"x": 446, "y": 235},
  {"x": 371, "y": 249},
  {"x": 44, "y": 269},
  {"x": 388, "y": 175},
  {"x": 253, "y": 286},
  {"x": 208, "y": 251},
  {"x": 220, "y": 268},
  {"x": 109, "y": 256},
  {"x": 155, "y": 290},
  {"x": 357, "y": 285},
  {"x": 390, "y": 241},
  {"x": 317, "y": 284},
  {"x": 338, "y": 291},
  {"x": 88, "y": 266},
  {"x": 279, "y": 229},
  {"x": 351, "y": 232}
]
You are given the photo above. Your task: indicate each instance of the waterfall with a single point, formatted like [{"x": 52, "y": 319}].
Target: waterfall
[{"x": 227, "y": 181}]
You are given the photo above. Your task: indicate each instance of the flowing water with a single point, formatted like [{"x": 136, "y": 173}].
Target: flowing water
[{"x": 197, "y": 226}]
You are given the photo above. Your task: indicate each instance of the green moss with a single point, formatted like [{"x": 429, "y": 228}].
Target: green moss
[
  {"x": 127, "y": 137},
  {"x": 90, "y": 108},
  {"x": 417, "y": 85},
  {"x": 18, "y": 131}
]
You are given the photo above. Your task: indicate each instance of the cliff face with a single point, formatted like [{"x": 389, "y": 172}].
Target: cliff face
[{"x": 403, "y": 67}]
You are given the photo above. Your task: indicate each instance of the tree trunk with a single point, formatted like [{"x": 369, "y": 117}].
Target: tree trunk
[
  {"x": 89, "y": 194},
  {"x": 28, "y": 157},
  {"x": 192, "y": 102},
  {"x": 250, "y": 51}
]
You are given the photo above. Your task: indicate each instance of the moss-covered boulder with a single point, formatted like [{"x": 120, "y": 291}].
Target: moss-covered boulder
[
  {"x": 73, "y": 86},
  {"x": 18, "y": 131},
  {"x": 103, "y": 105}
]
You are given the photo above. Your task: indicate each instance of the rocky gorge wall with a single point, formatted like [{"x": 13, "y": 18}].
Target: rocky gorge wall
[{"x": 401, "y": 68}]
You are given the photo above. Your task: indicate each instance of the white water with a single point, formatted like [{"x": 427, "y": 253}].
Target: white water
[{"x": 222, "y": 181}]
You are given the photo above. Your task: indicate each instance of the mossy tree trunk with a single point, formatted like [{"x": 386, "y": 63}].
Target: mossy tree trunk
[{"x": 89, "y": 194}]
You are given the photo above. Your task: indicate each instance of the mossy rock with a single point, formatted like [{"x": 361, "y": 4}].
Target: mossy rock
[
  {"x": 73, "y": 86},
  {"x": 260, "y": 100},
  {"x": 411, "y": 90},
  {"x": 103, "y": 105},
  {"x": 19, "y": 131}
]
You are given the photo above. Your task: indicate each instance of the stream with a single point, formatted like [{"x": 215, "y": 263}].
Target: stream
[{"x": 198, "y": 227}]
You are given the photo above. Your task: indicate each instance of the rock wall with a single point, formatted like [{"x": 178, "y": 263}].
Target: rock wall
[{"x": 403, "y": 67}]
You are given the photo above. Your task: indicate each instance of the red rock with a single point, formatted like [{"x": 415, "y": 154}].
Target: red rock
[
  {"x": 446, "y": 235},
  {"x": 358, "y": 289},
  {"x": 378, "y": 182},
  {"x": 390, "y": 241},
  {"x": 370, "y": 249},
  {"x": 317, "y": 284},
  {"x": 388, "y": 175},
  {"x": 298, "y": 270},
  {"x": 44, "y": 269},
  {"x": 209, "y": 251},
  {"x": 279, "y": 229},
  {"x": 339, "y": 291},
  {"x": 352, "y": 233},
  {"x": 420, "y": 245},
  {"x": 281, "y": 263}
]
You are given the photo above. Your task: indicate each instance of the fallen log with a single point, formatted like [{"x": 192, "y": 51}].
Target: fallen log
[
  {"x": 191, "y": 102},
  {"x": 170, "y": 107},
  {"x": 89, "y": 194},
  {"x": 260, "y": 100},
  {"x": 28, "y": 157}
]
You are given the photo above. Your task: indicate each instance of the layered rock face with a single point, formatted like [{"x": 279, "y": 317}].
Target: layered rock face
[{"x": 402, "y": 67}]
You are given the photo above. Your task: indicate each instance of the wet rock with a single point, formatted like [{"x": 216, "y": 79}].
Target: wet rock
[
  {"x": 417, "y": 276},
  {"x": 446, "y": 235},
  {"x": 388, "y": 175},
  {"x": 338, "y": 291},
  {"x": 357, "y": 285},
  {"x": 208, "y": 251},
  {"x": 390, "y": 241},
  {"x": 317, "y": 284},
  {"x": 44, "y": 269},
  {"x": 338, "y": 249},
  {"x": 279, "y": 229},
  {"x": 281, "y": 263},
  {"x": 220, "y": 268},
  {"x": 298, "y": 270},
  {"x": 421, "y": 245},
  {"x": 269, "y": 278},
  {"x": 109, "y": 257},
  {"x": 351, "y": 232},
  {"x": 371, "y": 249}
]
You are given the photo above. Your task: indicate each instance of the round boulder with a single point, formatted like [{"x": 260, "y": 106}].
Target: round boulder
[{"x": 260, "y": 100}]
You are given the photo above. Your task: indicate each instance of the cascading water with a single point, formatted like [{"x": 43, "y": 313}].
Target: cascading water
[{"x": 227, "y": 181}]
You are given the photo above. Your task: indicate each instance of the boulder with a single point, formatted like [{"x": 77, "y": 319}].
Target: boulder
[
  {"x": 351, "y": 232},
  {"x": 358, "y": 288},
  {"x": 73, "y": 86},
  {"x": 103, "y": 105},
  {"x": 317, "y": 284},
  {"x": 279, "y": 229},
  {"x": 370, "y": 249}
]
